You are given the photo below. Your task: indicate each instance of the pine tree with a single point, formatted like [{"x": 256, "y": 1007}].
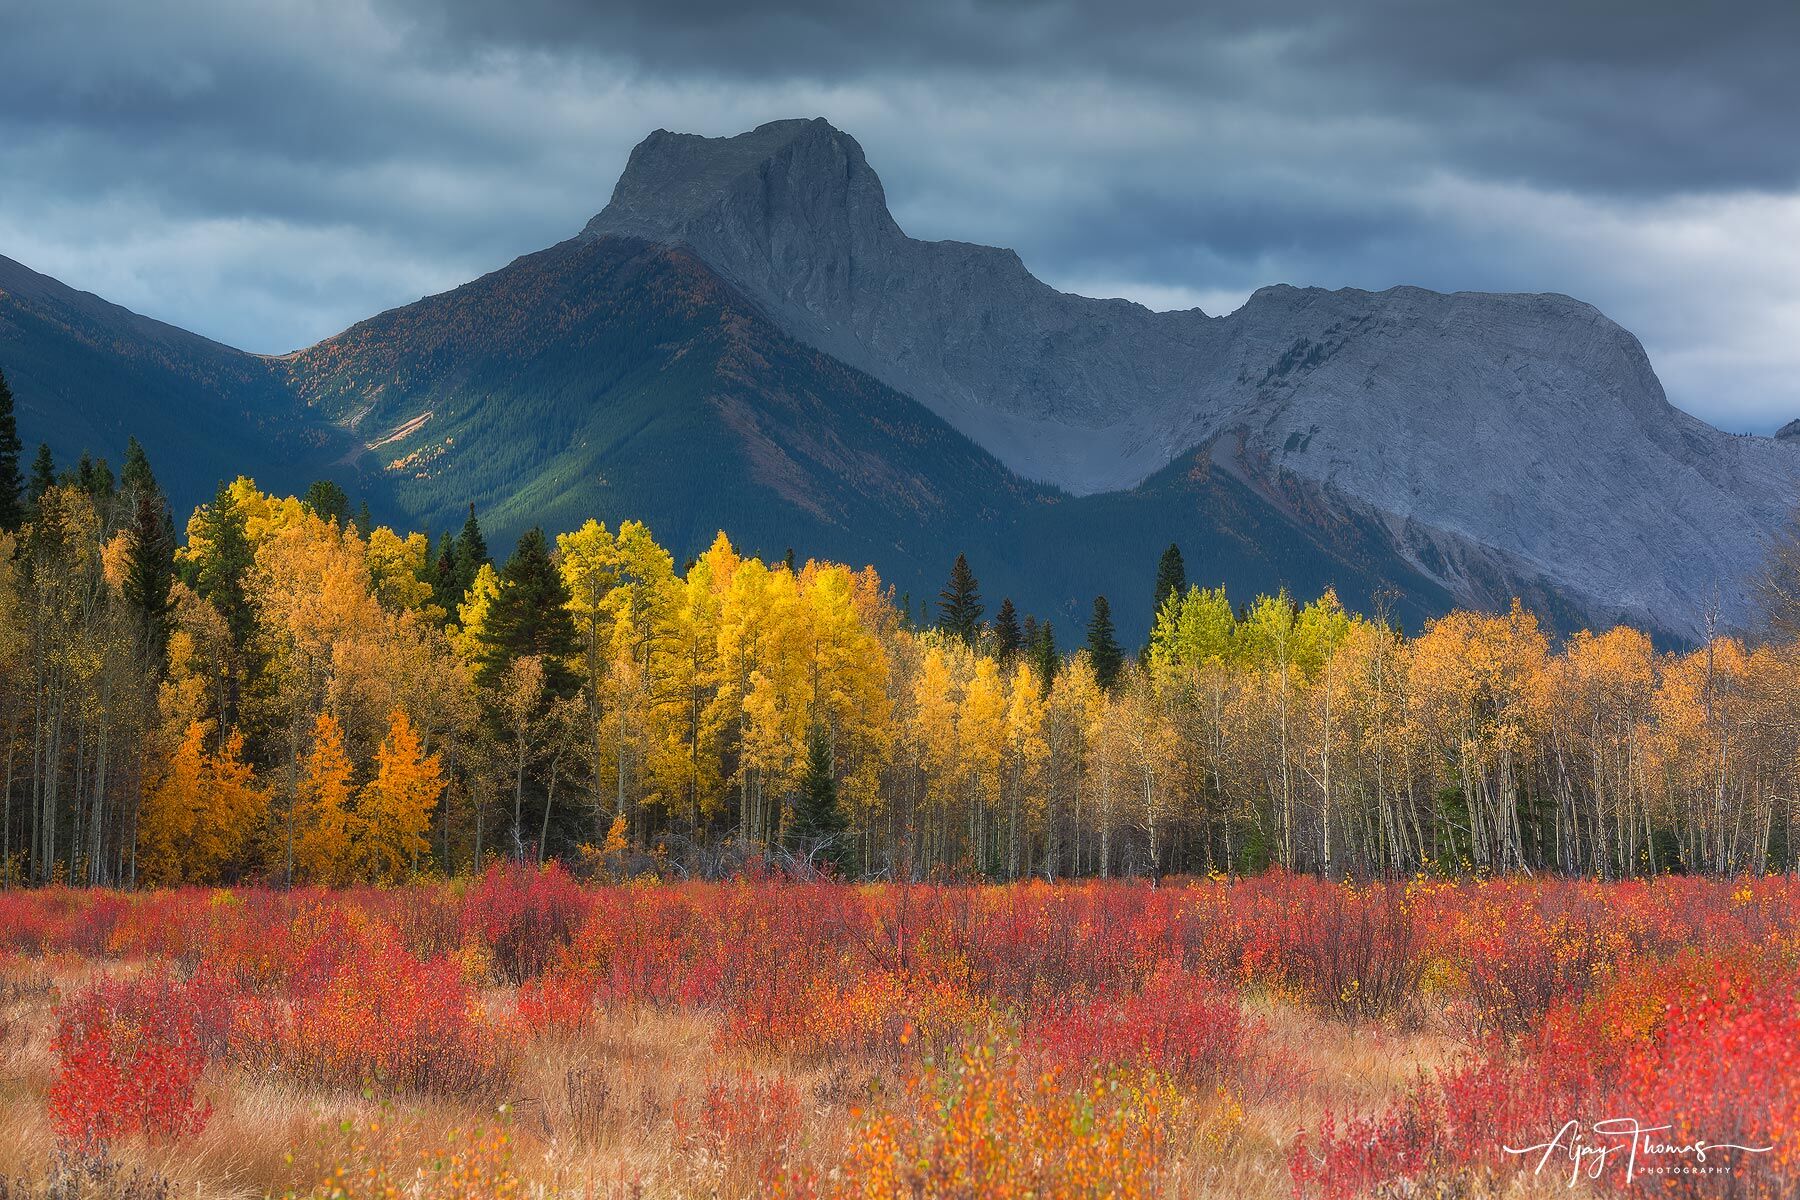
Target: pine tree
[
  {"x": 1103, "y": 644},
  {"x": 365, "y": 520},
  {"x": 150, "y": 556},
  {"x": 959, "y": 604},
  {"x": 471, "y": 554},
  {"x": 221, "y": 574},
  {"x": 327, "y": 500},
  {"x": 530, "y": 616},
  {"x": 43, "y": 475},
  {"x": 1043, "y": 653},
  {"x": 12, "y": 484},
  {"x": 446, "y": 579},
  {"x": 1007, "y": 638},
  {"x": 818, "y": 825},
  {"x": 1171, "y": 578}
]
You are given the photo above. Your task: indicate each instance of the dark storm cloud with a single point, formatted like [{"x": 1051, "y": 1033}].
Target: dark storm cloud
[
  {"x": 268, "y": 172},
  {"x": 1609, "y": 95}
]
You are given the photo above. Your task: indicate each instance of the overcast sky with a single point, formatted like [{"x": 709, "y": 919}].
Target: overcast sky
[{"x": 268, "y": 171}]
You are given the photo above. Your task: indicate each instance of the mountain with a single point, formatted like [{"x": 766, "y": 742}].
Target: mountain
[
  {"x": 745, "y": 339},
  {"x": 616, "y": 378},
  {"x": 1505, "y": 444},
  {"x": 88, "y": 375}
]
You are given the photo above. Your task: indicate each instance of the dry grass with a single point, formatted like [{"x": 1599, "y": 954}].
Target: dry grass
[{"x": 593, "y": 1113}]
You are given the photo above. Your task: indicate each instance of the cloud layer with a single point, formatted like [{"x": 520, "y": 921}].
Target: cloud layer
[{"x": 268, "y": 172}]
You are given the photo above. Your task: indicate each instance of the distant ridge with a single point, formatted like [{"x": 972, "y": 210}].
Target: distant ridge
[{"x": 745, "y": 339}]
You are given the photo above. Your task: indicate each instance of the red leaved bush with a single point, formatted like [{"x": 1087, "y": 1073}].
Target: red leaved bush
[
  {"x": 129, "y": 1062},
  {"x": 1183, "y": 1025},
  {"x": 525, "y": 916},
  {"x": 1708, "y": 1050}
]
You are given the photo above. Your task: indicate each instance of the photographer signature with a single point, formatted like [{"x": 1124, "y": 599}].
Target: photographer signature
[{"x": 1622, "y": 1140}]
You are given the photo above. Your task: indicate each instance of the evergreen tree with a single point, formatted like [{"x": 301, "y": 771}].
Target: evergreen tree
[
  {"x": 1007, "y": 638},
  {"x": 959, "y": 604},
  {"x": 471, "y": 546},
  {"x": 1171, "y": 578},
  {"x": 12, "y": 484},
  {"x": 1103, "y": 644},
  {"x": 365, "y": 520},
  {"x": 1043, "y": 653},
  {"x": 43, "y": 475},
  {"x": 818, "y": 823},
  {"x": 221, "y": 571},
  {"x": 327, "y": 500},
  {"x": 787, "y": 560},
  {"x": 530, "y": 616},
  {"x": 470, "y": 554},
  {"x": 150, "y": 557},
  {"x": 447, "y": 588},
  {"x": 136, "y": 476}
]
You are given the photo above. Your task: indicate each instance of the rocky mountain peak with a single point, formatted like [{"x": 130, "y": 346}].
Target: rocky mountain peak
[
  {"x": 681, "y": 186},
  {"x": 1789, "y": 432}
]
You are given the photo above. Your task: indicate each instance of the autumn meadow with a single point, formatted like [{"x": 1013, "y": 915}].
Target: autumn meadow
[{"x": 340, "y": 862}]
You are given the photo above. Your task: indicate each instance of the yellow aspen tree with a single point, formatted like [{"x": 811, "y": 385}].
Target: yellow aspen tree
[
  {"x": 322, "y": 848},
  {"x": 398, "y": 571},
  {"x": 166, "y": 827},
  {"x": 472, "y": 613},
  {"x": 1026, "y": 751},
  {"x": 394, "y": 810},
  {"x": 235, "y": 807},
  {"x": 981, "y": 739}
]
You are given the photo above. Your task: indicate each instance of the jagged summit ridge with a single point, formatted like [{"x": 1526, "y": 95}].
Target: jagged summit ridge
[{"x": 1506, "y": 441}]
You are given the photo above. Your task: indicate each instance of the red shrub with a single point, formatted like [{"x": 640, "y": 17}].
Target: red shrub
[
  {"x": 525, "y": 916},
  {"x": 1182, "y": 1025},
  {"x": 129, "y": 1062}
]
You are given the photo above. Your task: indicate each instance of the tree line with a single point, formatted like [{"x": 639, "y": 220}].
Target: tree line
[{"x": 286, "y": 690}]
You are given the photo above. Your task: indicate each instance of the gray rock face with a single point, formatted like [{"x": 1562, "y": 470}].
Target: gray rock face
[{"x": 1507, "y": 442}]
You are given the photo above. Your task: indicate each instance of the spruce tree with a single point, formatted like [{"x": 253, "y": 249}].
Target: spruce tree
[
  {"x": 1171, "y": 578},
  {"x": 221, "y": 571},
  {"x": 959, "y": 604},
  {"x": 447, "y": 590},
  {"x": 470, "y": 543},
  {"x": 12, "y": 484},
  {"x": 530, "y": 616},
  {"x": 327, "y": 500},
  {"x": 1103, "y": 644},
  {"x": 150, "y": 560},
  {"x": 43, "y": 475},
  {"x": 818, "y": 823},
  {"x": 136, "y": 476},
  {"x": 1043, "y": 653},
  {"x": 1007, "y": 638},
  {"x": 471, "y": 554}
]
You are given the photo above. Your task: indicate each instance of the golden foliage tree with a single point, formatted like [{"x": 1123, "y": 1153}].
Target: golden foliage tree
[{"x": 394, "y": 810}]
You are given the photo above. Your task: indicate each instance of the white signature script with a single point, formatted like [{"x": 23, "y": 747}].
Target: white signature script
[{"x": 1622, "y": 1140}]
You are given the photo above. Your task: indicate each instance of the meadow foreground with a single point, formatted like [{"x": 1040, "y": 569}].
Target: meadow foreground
[{"x": 524, "y": 1034}]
